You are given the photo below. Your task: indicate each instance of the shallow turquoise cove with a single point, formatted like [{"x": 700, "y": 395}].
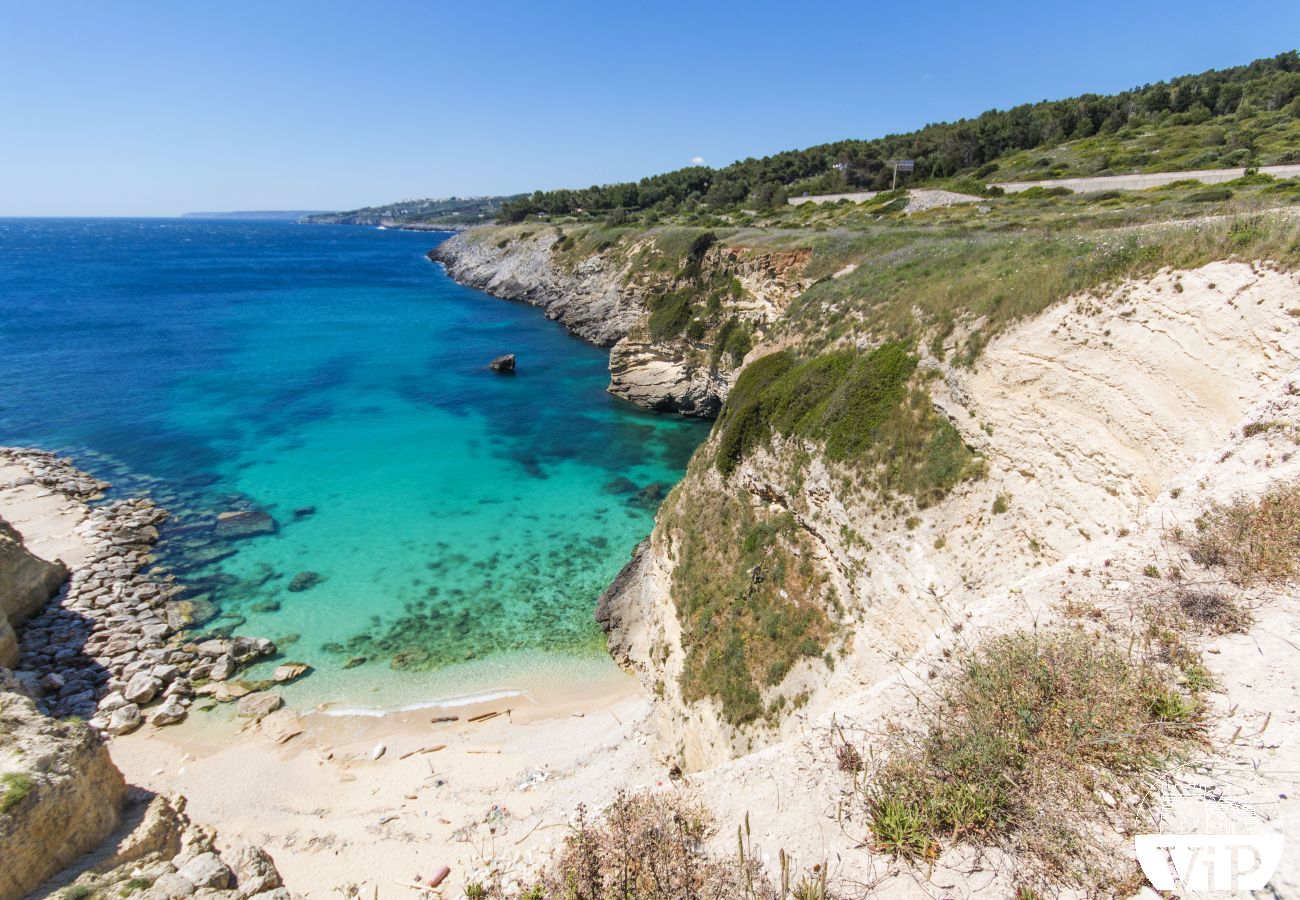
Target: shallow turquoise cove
[{"x": 458, "y": 525}]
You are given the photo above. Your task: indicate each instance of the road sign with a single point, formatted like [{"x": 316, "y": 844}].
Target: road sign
[{"x": 901, "y": 165}]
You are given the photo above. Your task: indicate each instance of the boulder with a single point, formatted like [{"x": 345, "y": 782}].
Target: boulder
[
  {"x": 125, "y": 719},
  {"x": 282, "y": 725},
  {"x": 171, "y": 886},
  {"x": 259, "y": 704},
  {"x": 223, "y": 668},
  {"x": 170, "y": 712},
  {"x": 504, "y": 364},
  {"x": 254, "y": 870},
  {"x": 112, "y": 701},
  {"x": 244, "y": 523},
  {"x": 142, "y": 688},
  {"x": 207, "y": 871}
]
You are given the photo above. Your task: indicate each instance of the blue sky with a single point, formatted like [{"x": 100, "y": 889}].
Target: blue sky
[{"x": 153, "y": 108}]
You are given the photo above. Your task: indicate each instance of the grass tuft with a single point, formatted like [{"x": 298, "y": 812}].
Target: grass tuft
[{"x": 14, "y": 789}]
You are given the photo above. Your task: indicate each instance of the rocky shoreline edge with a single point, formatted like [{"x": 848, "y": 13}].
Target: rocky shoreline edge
[{"x": 112, "y": 646}]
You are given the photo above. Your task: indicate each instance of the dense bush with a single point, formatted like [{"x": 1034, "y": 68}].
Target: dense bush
[{"x": 858, "y": 407}]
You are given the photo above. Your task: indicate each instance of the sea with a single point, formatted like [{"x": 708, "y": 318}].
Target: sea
[{"x": 447, "y": 529}]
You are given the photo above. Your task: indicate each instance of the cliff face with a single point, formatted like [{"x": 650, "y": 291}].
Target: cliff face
[
  {"x": 60, "y": 794},
  {"x": 26, "y": 584},
  {"x": 1081, "y": 416},
  {"x": 607, "y": 296}
]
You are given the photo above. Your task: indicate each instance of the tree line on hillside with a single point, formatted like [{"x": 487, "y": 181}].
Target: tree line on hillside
[{"x": 941, "y": 150}]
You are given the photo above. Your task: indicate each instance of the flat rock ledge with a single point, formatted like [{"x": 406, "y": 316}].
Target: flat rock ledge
[{"x": 105, "y": 648}]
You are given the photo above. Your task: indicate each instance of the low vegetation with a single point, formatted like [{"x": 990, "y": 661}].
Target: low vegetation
[
  {"x": 1251, "y": 541},
  {"x": 750, "y": 601},
  {"x": 1022, "y": 747}
]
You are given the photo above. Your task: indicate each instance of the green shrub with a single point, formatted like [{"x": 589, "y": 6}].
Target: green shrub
[{"x": 1212, "y": 195}]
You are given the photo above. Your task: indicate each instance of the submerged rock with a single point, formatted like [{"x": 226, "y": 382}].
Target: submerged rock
[
  {"x": 305, "y": 581},
  {"x": 620, "y": 485},
  {"x": 245, "y": 523},
  {"x": 188, "y": 613},
  {"x": 504, "y": 364}
]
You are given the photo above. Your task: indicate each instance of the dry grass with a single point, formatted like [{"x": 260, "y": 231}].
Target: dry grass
[
  {"x": 650, "y": 847},
  {"x": 1036, "y": 738},
  {"x": 1252, "y": 541}
]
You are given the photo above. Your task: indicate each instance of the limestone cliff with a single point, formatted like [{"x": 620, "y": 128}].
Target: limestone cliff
[
  {"x": 26, "y": 583},
  {"x": 1080, "y": 415},
  {"x": 60, "y": 794},
  {"x": 607, "y": 294}
]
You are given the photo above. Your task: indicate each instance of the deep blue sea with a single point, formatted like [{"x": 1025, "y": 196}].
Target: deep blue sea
[{"x": 459, "y": 524}]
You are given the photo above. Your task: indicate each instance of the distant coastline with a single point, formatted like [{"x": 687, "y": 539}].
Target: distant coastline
[{"x": 275, "y": 215}]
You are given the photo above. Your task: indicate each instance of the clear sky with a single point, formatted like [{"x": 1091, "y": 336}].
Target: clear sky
[{"x": 157, "y": 108}]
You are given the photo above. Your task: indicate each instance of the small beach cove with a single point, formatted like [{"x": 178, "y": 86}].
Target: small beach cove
[{"x": 427, "y": 529}]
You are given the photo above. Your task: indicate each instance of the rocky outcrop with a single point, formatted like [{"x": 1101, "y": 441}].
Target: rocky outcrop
[
  {"x": 68, "y": 818},
  {"x": 665, "y": 377},
  {"x": 26, "y": 584},
  {"x": 587, "y": 300},
  {"x": 60, "y": 794},
  {"x": 604, "y": 298}
]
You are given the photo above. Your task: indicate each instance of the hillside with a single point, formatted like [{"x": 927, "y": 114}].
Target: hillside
[
  {"x": 1244, "y": 116},
  {"x": 450, "y": 213},
  {"x": 923, "y": 402}
]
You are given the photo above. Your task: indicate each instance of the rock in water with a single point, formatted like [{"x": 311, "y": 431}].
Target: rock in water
[
  {"x": 305, "y": 580},
  {"x": 289, "y": 671},
  {"x": 244, "y": 523},
  {"x": 503, "y": 364}
]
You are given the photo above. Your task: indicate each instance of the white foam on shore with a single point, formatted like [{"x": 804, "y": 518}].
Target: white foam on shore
[{"x": 446, "y": 703}]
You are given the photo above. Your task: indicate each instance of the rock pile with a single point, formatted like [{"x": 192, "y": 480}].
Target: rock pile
[{"x": 113, "y": 642}]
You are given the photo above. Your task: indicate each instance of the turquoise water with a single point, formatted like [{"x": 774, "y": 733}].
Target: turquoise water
[{"x": 458, "y": 524}]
